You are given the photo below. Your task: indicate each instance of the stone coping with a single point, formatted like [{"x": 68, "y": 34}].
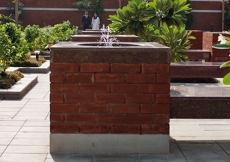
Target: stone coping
[
  {"x": 89, "y": 52},
  {"x": 134, "y": 46},
  {"x": 200, "y": 89},
  {"x": 44, "y": 68},
  {"x": 196, "y": 63},
  {"x": 18, "y": 90},
  {"x": 111, "y": 35}
]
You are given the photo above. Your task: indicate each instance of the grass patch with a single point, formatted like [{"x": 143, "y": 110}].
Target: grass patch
[
  {"x": 8, "y": 79},
  {"x": 31, "y": 62}
]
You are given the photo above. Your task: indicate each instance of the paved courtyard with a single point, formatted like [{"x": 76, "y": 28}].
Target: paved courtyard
[{"x": 24, "y": 135}]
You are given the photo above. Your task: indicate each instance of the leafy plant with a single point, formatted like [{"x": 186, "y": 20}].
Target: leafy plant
[
  {"x": 30, "y": 62},
  {"x": 31, "y": 33},
  {"x": 64, "y": 31},
  {"x": 86, "y": 5},
  {"x": 83, "y": 5},
  {"x": 8, "y": 79},
  {"x": 11, "y": 7},
  {"x": 160, "y": 21},
  {"x": 6, "y": 48},
  {"x": 54, "y": 34},
  {"x": 13, "y": 46},
  {"x": 226, "y": 79},
  {"x": 177, "y": 38},
  {"x": 5, "y": 19},
  {"x": 129, "y": 19},
  {"x": 171, "y": 12},
  {"x": 16, "y": 35},
  {"x": 45, "y": 37},
  {"x": 98, "y": 8},
  {"x": 189, "y": 16}
]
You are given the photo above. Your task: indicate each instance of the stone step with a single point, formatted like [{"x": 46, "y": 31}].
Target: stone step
[
  {"x": 198, "y": 69},
  {"x": 198, "y": 55},
  {"x": 203, "y": 100}
]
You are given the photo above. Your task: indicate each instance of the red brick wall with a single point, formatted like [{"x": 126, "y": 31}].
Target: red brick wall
[
  {"x": 109, "y": 98},
  {"x": 202, "y": 19}
]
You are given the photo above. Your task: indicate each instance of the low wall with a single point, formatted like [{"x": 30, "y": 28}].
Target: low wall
[
  {"x": 201, "y": 107},
  {"x": 197, "y": 69}
]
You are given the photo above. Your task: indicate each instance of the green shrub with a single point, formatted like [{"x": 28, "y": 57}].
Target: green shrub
[
  {"x": 6, "y": 83},
  {"x": 7, "y": 80},
  {"x": 18, "y": 40},
  {"x": 177, "y": 38},
  {"x": 5, "y": 19},
  {"x": 11, "y": 8},
  {"x": 64, "y": 31},
  {"x": 171, "y": 12},
  {"x": 158, "y": 21},
  {"x": 83, "y": 5},
  {"x": 31, "y": 62},
  {"x": 54, "y": 34},
  {"x": 226, "y": 79},
  {"x": 98, "y": 8},
  {"x": 31, "y": 33},
  {"x": 16, "y": 44},
  {"x": 6, "y": 50}
]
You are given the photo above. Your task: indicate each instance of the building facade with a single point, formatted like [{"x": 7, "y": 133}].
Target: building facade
[{"x": 207, "y": 14}]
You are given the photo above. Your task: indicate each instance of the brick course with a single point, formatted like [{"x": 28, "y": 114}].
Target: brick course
[{"x": 101, "y": 98}]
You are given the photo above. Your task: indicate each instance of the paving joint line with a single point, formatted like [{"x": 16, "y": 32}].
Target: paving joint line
[
  {"x": 181, "y": 151},
  {"x": 13, "y": 137},
  {"x": 20, "y": 110},
  {"x": 222, "y": 148}
]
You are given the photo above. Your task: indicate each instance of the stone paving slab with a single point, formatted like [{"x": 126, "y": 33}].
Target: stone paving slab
[
  {"x": 203, "y": 152},
  {"x": 7, "y": 157},
  {"x": 225, "y": 145}
]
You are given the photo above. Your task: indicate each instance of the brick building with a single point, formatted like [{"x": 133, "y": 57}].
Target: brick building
[{"x": 45, "y": 12}]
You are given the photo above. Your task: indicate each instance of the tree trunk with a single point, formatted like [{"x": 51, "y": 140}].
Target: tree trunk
[{"x": 16, "y": 11}]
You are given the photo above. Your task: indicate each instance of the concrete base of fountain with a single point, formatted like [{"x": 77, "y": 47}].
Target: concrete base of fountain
[{"x": 109, "y": 143}]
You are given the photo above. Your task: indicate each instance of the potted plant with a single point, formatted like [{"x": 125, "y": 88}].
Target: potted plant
[{"x": 224, "y": 44}]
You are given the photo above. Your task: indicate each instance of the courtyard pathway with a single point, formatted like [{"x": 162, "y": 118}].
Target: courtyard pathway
[{"x": 24, "y": 135}]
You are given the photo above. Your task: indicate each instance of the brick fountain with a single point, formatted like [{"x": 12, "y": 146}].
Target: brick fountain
[{"x": 109, "y": 99}]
